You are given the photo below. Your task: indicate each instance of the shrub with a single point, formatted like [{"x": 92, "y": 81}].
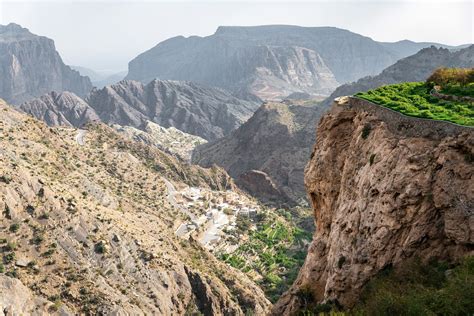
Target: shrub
[
  {"x": 366, "y": 131},
  {"x": 14, "y": 227},
  {"x": 444, "y": 76},
  {"x": 419, "y": 289}
]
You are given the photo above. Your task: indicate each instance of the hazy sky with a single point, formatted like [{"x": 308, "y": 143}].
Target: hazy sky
[{"x": 106, "y": 35}]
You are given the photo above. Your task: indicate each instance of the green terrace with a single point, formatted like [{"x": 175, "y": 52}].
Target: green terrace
[
  {"x": 275, "y": 251},
  {"x": 415, "y": 99}
]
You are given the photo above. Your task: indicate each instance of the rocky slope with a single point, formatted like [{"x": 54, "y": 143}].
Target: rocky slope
[
  {"x": 169, "y": 139},
  {"x": 417, "y": 67},
  {"x": 384, "y": 188},
  {"x": 270, "y": 61},
  {"x": 276, "y": 140},
  {"x": 30, "y": 66},
  {"x": 64, "y": 108},
  {"x": 194, "y": 109},
  {"x": 87, "y": 224}
]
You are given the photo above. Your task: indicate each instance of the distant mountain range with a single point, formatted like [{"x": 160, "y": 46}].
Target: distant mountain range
[
  {"x": 271, "y": 61},
  {"x": 30, "y": 66},
  {"x": 101, "y": 79},
  {"x": 413, "y": 68},
  {"x": 209, "y": 113},
  {"x": 278, "y": 138}
]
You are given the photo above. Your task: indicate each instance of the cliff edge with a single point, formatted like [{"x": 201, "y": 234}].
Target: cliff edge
[{"x": 384, "y": 188}]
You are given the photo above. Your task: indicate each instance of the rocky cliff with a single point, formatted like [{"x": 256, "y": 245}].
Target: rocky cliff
[
  {"x": 88, "y": 227},
  {"x": 417, "y": 67},
  {"x": 384, "y": 188},
  {"x": 192, "y": 108},
  {"x": 30, "y": 66},
  {"x": 276, "y": 140}
]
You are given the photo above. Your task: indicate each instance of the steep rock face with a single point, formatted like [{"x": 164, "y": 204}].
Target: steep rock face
[
  {"x": 417, "y": 67},
  {"x": 30, "y": 66},
  {"x": 206, "y": 112},
  {"x": 63, "y": 108},
  {"x": 276, "y": 140},
  {"x": 265, "y": 59},
  {"x": 17, "y": 299},
  {"x": 401, "y": 189}
]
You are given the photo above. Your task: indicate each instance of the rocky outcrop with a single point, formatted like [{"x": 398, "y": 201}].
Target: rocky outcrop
[
  {"x": 169, "y": 139},
  {"x": 417, "y": 67},
  {"x": 384, "y": 188},
  {"x": 275, "y": 140},
  {"x": 192, "y": 108},
  {"x": 30, "y": 66},
  {"x": 260, "y": 184},
  {"x": 63, "y": 108},
  {"x": 17, "y": 299}
]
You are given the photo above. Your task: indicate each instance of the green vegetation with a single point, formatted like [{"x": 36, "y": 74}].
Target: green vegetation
[
  {"x": 275, "y": 250},
  {"x": 415, "y": 289},
  {"x": 414, "y": 99},
  {"x": 454, "y": 81},
  {"x": 419, "y": 289},
  {"x": 14, "y": 227}
]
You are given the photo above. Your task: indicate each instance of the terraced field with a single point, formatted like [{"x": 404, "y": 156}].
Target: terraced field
[{"x": 414, "y": 99}]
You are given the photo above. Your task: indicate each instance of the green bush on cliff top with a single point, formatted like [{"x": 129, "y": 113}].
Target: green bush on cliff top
[{"x": 414, "y": 99}]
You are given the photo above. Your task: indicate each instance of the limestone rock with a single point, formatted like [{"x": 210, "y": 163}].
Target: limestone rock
[
  {"x": 63, "y": 108},
  {"x": 404, "y": 191},
  {"x": 30, "y": 66}
]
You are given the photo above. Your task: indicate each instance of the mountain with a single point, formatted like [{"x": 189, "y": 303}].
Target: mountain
[
  {"x": 101, "y": 79},
  {"x": 386, "y": 190},
  {"x": 30, "y": 66},
  {"x": 91, "y": 227},
  {"x": 407, "y": 48},
  {"x": 270, "y": 61},
  {"x": 192, "y": 108},
  {"x": 277, "y": 141},
  {"x": 417, "y": 67},
  {"x": 64, "y": 108}
]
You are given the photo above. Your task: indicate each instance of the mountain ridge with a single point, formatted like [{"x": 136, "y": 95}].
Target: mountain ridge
[{"x": 31, "y": 66}]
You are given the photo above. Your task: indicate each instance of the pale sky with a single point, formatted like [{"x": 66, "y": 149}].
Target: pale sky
[{"x": 106, "y": 35}]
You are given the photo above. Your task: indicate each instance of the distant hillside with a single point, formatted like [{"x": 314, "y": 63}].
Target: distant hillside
[
  {"x": 276, "y": 140},
  {"x": 30, "y": 66},
  {"x": 270, "y": 61},
  {"x": 413, "y": 68},
  {"x": 192, "y": 108}
]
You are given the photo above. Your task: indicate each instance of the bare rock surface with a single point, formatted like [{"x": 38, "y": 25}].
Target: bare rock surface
[
  {"x": 30, "y": 66},
  {"x": 384, "y": 188},
  {"x": 276, "y": 140},
  {"x": 209, "y": 113},
  {"x": 17, "y": 299},
  {"x": 63, "y": 108}
]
